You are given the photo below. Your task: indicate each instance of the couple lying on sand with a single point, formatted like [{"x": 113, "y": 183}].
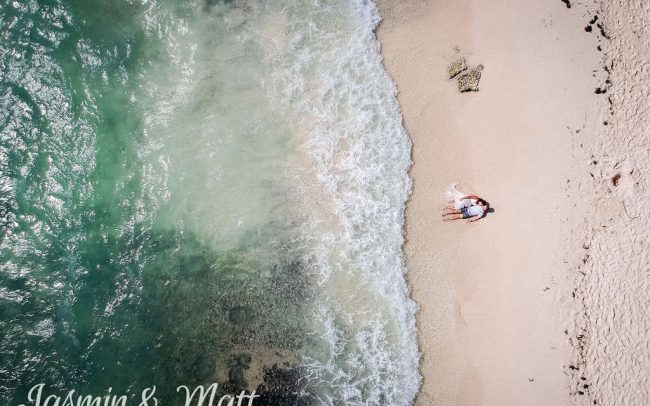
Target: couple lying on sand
[{"x": 463, "y": 206}]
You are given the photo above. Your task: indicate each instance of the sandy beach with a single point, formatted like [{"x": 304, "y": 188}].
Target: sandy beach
[{"x": 516, "y": 309}]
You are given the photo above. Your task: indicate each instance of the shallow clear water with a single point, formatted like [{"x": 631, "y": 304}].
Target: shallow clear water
[{"x": 196, "y": 192}]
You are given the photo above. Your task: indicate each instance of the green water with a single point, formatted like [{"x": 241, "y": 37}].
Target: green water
[{"x": 110, "y": 276}]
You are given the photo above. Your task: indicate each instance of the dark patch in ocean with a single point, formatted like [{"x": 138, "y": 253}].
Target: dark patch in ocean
[
  {"x": 215, "y": 309},
  {"x": 284, "y": 385}
]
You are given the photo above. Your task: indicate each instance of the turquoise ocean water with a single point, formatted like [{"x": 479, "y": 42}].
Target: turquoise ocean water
[{"x": 202, "y": 191}]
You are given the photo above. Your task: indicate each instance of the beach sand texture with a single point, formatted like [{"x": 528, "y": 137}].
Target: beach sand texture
[
  {"x": 612, "y": 334},
  {"x": 545, "y": 301}
]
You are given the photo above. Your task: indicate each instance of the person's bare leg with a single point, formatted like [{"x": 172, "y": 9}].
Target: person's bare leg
[
  {"x": 446, "y": 212},
  {"x": 452, "y": 216}
]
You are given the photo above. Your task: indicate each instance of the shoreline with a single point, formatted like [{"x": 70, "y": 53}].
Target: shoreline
[{"x": 494, "y": 296}]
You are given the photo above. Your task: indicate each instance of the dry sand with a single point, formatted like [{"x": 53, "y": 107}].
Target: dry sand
[
  {"x": 612, "y": 265},
  {"x": 517, "y": 309}
]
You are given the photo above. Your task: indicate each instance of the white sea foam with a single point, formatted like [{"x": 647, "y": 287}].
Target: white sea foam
[
  {"x": 286, "y": 109},
  {"x": 339, "y": 100}
]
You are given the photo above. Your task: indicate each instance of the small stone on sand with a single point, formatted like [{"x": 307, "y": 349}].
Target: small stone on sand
[
  {"x": 469, "y": 81},
  {"x": 456, "y": 67}
]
